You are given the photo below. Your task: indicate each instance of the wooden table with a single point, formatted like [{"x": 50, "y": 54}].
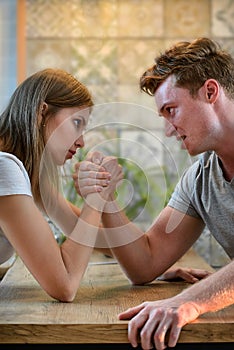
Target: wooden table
[{"x": 29, "y": 315}]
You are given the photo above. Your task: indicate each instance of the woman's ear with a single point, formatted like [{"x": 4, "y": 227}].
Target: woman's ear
[
  {"x": 212, "y": 90},
  {"x": 43, "y": 109},
  {"x": 42, "y": 114}
]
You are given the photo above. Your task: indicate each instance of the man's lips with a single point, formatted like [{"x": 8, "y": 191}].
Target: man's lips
[{"x": 180, "y": 138}]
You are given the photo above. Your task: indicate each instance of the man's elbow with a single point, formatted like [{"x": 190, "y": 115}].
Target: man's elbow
[{"x": 140, "y": 280}]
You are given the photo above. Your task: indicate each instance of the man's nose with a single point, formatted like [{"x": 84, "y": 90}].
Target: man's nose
[{"x": 170, "y": 130}]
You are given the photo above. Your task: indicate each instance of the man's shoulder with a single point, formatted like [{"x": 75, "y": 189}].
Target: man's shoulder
[{"x": 205, "y": 160}]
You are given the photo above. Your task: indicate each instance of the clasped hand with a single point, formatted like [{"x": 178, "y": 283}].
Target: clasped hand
[{"x": 98, "y": 173}]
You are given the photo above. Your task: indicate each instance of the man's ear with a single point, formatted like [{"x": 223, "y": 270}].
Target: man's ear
[{"x": 212, "y": 90}]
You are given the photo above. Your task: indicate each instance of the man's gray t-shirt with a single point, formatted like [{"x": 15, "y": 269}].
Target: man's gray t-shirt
[
  {"x": 203, "y": 192},
  {"x": 13, "y": 180}
]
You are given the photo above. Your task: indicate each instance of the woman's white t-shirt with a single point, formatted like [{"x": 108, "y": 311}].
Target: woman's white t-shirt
[{"x": 14, "y": 180}]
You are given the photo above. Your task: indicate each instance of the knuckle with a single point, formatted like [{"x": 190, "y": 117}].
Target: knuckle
[
  {"x": 159, "y": 312},
  {"x": 145, "y": 333},
  {"x": 90, "y": 182},
  {"x": 76, "y": 166},
  {"x": 158, "y": 337},
  {"x": 83, "y": 165},
  {"x": 132, "y": 324}
]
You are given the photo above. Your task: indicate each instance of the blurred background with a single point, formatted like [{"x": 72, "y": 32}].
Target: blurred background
[{"x": 108, "y": 44}]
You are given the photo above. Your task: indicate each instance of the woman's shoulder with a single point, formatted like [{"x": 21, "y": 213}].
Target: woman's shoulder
[
  {"x": 10, "y": 162},
  {"x": 5, "y": 157},
  {"x": 14, "y": 177}
]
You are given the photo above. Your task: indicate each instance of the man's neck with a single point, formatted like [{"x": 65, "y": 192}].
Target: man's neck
[{"x": 227, "y": 166}]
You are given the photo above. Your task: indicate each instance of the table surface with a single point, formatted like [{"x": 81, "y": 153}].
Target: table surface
[{"x": 29, "y": 315}]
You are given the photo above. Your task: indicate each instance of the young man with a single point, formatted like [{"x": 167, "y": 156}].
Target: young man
[{"x": 193, "y": 87}]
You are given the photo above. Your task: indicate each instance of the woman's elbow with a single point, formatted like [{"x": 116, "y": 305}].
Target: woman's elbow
[{"x": 63, "y": 293}]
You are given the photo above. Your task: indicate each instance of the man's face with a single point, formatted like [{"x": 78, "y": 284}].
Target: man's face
[{"x": 190, "y": 119}]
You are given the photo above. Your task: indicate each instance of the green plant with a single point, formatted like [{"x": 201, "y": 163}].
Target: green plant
[{"x": 138, "y": 192}]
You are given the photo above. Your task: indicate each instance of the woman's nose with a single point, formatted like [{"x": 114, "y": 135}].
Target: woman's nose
[{"x": 79, "y": 143}]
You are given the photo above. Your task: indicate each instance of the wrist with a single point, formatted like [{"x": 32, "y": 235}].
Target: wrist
[
  {"x": 111, "y": 205},
  {"x": 95, "y": 201}
]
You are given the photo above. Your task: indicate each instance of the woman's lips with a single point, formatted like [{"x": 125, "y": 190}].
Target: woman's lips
[{"x": 70, "y": 154}]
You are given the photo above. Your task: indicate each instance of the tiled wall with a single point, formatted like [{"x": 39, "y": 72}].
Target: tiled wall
[
  {"x": 8, "y": 53},
  {"x": 108, "y": 44}
]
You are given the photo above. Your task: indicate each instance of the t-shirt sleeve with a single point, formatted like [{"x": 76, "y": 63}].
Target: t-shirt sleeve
[
  {"x": 13, "y": 177},
  {"x": 182, "y": 197}
]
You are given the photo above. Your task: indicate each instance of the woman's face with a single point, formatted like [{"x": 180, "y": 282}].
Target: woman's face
[{"x": 64, "y": 133}]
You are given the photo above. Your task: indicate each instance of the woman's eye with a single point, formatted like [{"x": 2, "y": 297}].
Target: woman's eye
[{"x": 77, "y": 123}]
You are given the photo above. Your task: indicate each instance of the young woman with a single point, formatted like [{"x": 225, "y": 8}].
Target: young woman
[{"x": 39, "y": 130}]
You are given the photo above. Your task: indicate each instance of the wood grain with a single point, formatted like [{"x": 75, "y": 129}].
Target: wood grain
[{"x": 29, "y": 315}]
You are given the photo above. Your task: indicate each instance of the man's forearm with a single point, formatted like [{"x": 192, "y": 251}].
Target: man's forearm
[
  {"x": 128, "y": 243},
  {"x": 214, "y": 292}
]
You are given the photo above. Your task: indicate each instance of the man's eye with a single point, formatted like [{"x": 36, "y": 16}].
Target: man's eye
[{"x": 169, "y": 109}]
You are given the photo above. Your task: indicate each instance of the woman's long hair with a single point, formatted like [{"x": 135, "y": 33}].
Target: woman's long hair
[{"x": 21, "y": 127}]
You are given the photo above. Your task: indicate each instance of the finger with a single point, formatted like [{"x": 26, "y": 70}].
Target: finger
[
  {"x": 188, "y": 277},
  {"x": 193, "y": 275},
  {"x": 160, "y": 333},
  {"x": 74, "y": 177},
  {"x": 129, "y": 313},
  {"x": 90, "y": 189},
  {"x": 89, "y": 166},
  {"x": 134, "y": 326},
  {"x": 88, "y": 182},
  {"x": 172, "y": 275},
  {"x": 93, "y": 175},
  {"x": 95, "y": 157},
  {"x": 147, "y": 331},
  {"x": 200, "y": 274},
  {"x": 174, "y": 335},
  {"x": 109, "y": 162},
  {"x": 76, "y": 166}
]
